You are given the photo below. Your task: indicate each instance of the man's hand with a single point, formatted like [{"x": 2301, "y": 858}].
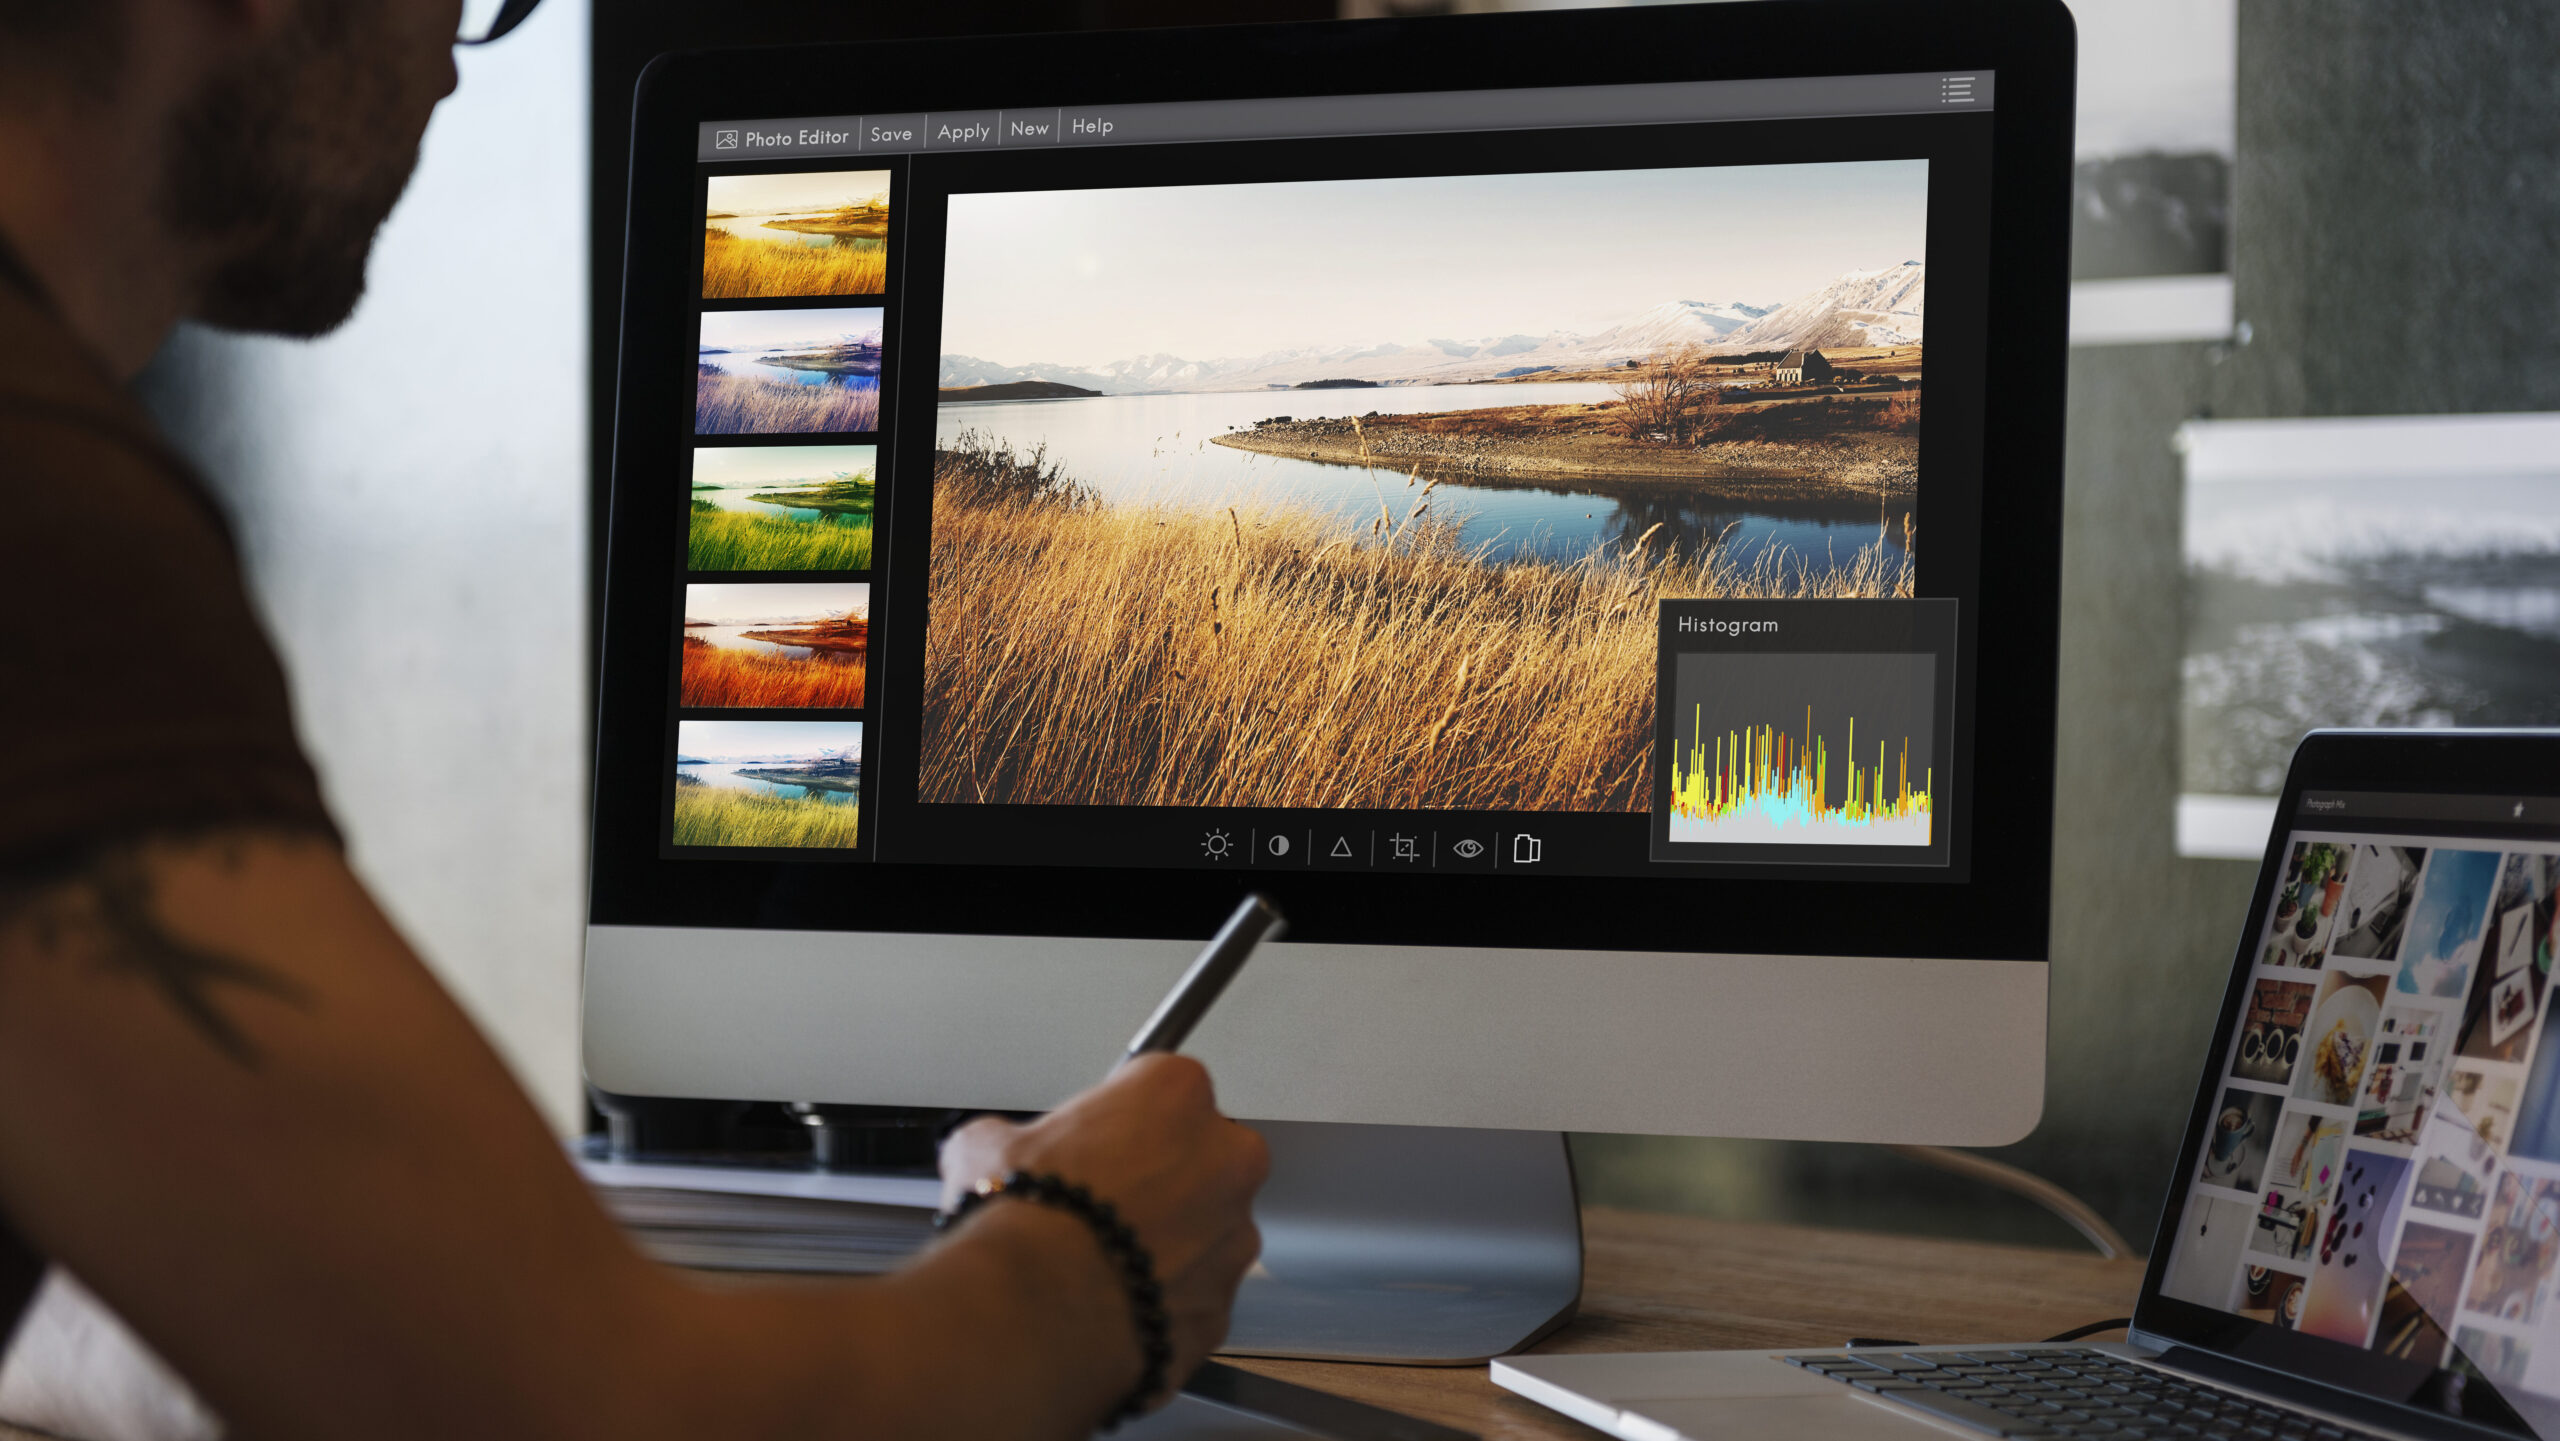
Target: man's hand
[{"x": 1151, "y": 1142}]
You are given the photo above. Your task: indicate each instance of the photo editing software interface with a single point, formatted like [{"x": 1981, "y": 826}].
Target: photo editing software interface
[
  {"x": 2381, "y": 1166},
  {"x": 1531, "y": 480}
]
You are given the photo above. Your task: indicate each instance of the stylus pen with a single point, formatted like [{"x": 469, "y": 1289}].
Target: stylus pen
[{"x": 1254, "y": 921}]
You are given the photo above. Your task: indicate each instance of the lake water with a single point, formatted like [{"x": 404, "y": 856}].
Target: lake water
[
  {"x": 754, "y": 362},
  {"x": 724, "y": 775},
  {"x": 734, "y": 637},
  {"x": 1133, "y": 447},
  {"x": 753, "y": 227},
  {"x": 742, "y": 498}
]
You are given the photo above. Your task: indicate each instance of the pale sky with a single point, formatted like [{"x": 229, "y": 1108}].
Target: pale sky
[
  {"x": 722, "y": 740},
  {"x": 723, "y": 604},
  {"x": 765, "y": 329},
  {"x": 1085, "y": 277},
  {"x": 792, "y": 194},
  {"x": 776, "y": 464}
]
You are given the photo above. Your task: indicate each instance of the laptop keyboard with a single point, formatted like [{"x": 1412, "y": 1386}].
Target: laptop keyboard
[{"x": 2066, "y": 1393}]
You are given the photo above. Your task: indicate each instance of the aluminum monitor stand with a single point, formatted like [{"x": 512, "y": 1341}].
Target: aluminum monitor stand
[{"x": 1418, "y": 1245}]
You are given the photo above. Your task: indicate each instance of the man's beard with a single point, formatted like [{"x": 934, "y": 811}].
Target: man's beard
[{"x": 286, "y": 167}]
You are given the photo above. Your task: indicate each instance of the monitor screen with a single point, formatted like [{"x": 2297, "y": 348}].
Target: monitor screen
[
  {"x": 2381, "y": 1166},
  {"x": 1386, "y": 495}
]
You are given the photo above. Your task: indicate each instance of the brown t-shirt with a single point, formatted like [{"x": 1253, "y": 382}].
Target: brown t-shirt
[{"x": 138, "y": 693}]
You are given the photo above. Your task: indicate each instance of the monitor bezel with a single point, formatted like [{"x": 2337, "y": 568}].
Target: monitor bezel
[
  {"x": 2504, "y": 763},
  {"x": 1999, "y": 911}
]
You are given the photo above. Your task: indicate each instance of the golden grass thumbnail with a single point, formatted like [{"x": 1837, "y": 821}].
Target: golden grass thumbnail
[
  {"x": 731, "y": 677},
  {"x": 717, "y": 816},
  {"x": 735, "y": 266},
  {"x": 726, "y": 404},
  {"x": 745, "y": 540}
]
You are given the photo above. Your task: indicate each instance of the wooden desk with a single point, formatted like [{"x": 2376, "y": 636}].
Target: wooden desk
[{"x": 1678, "y": 1283}]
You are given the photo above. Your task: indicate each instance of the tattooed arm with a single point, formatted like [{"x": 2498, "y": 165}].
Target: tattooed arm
[{"x": 237, "y": 1106}]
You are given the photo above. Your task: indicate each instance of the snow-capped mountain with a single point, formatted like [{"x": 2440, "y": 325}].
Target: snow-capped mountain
[{"x": 1862, "y": 307}]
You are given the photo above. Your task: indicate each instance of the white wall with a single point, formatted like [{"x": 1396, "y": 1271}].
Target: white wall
[{"x": 411, "y": 494}]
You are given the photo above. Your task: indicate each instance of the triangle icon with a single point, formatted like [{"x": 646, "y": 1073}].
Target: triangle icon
[{"x": 1341, "y": 849}]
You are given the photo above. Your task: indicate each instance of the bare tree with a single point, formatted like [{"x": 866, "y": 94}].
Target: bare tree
[{"x": 1663, "y": 399}]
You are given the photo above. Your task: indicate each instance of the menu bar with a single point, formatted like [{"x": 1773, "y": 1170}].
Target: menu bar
[
  {"x": 1310, "y": 117},
  {"x": 2534, "y": 811}
]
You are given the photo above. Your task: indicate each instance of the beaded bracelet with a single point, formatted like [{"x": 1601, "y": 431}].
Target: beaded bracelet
[{"x": 1119, "y": 1245}]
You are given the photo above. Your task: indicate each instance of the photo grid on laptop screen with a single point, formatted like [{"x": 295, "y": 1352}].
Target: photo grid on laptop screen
[{"x": 2382, "y": 1162}]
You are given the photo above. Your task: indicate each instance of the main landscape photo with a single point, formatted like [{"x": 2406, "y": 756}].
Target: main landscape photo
[{"x": 1362, "y": 493}]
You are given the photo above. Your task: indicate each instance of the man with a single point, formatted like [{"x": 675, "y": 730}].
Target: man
[{"x": 232, "y": 1101}]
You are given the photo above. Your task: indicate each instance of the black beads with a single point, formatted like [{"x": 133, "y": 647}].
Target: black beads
[{"x": 1119, "y": 1245}]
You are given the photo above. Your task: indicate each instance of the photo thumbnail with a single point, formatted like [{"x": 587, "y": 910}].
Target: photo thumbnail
[
  {"x": 2538, "y": 1108},
  {"x": 2444, "y": 930},
  {"x": 794, "y": 784},
  {"x": 2517, "y": 1248},
  {"x": 2487, "y": 1104},
  {"x": 819, "y": 233},
  {"x": 2340, "y": 1038},
  {"x": 782, "y": 507},
  {"x": 775, "y": 645},
  {"x": 787, "y": 372},
  {"x": 2381, "y": 880},
  {"x": 2288, "y": 1222},
  {"x": 2499, "y": 1357},
  {"x": 2345, "y": 1300},
  {"x": 2506, "y": 988},
  {"x": 2204, "y": 1266},
  {"x": 2426, "y": 1282},
  {"x": 2271, "y": 1297},
  {"x": 2456, "y": 1167},
  {"x": 2306, "y": 1153},
  {"x": 1224, "y": 515},
  {"x": 2235, "y": 1152},
  {"x": 2315, "y": 881},
  {"x": 2410, "y": 1053},
  {"x": 2271, "y": 1032}
]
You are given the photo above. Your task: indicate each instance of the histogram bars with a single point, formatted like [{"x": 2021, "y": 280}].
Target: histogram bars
[{"x": 1766, "y": 784}]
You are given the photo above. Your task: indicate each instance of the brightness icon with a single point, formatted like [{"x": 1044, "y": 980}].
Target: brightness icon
[{"x": 1217, "y": 845}]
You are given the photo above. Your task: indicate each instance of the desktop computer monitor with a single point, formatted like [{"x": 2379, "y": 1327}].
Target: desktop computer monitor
[{"x": 1492, "y": 484}]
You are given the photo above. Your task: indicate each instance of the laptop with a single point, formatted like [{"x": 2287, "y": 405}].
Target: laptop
[{"x": 2362, "y": 1234}]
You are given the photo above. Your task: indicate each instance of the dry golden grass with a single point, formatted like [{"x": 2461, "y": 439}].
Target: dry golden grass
[
  {"x": 734, "y": 266},
  {"x": 727, "y": 676},
  {"x": 726, "y": 404},
  {"x": 720, "y": 816},
  {"x": 1269, "y": 656}
]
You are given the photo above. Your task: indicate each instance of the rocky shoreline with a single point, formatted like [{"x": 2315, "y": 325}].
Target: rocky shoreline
[{"x": 1526, "y": 448}]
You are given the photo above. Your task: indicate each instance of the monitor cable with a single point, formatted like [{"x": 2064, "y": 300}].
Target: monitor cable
[{"x": 2079, "y": 1214}]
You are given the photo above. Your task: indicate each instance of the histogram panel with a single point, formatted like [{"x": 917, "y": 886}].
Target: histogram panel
[{"x": 1805, "y": 749}]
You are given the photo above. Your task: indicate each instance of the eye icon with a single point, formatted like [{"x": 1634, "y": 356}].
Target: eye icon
[{"x": 1468, "y": 850}]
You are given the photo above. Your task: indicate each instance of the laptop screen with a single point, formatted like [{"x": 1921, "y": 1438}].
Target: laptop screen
[{"x": 2380, "y": 1167}]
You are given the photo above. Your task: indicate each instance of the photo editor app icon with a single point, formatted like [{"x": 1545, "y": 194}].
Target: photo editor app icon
[{"x": 724, "y": 140}]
